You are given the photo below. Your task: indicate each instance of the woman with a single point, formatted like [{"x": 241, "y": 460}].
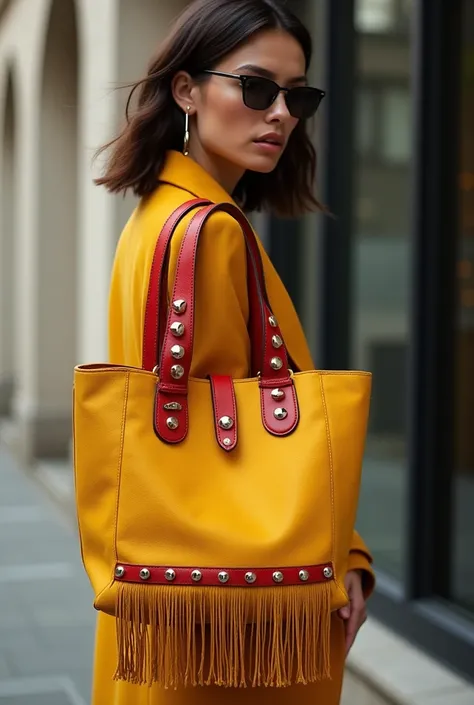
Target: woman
[{"x": 221, "y": 115}]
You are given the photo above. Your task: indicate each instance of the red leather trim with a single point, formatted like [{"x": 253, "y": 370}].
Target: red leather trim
[
  {"x": 261, "y": 329},
  {"x": 223, "y": 400},
  {"x": 264, "y": 576},
  {"x": 275, "y": 426},
  {"x": 157, "y": 294}
]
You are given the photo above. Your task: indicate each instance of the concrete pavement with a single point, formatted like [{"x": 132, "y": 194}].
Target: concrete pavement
[{"x": 46, "y": 614}]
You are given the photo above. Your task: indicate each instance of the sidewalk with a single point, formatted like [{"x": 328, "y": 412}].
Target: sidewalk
[
  {"x": 47, "y": 619},
  {"x": 46, "y": 614}
]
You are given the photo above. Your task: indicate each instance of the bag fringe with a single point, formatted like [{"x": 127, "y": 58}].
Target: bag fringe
[{"x": 233, "y": 637}]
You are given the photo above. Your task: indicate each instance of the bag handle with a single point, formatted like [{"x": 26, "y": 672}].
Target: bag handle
[
  {"x": 276, "y": 383},
  {"x": 155, "y": 313}
]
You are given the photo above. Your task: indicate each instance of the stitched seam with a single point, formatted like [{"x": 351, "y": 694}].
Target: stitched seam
[
  {"x": 118, "y": 482},
  {"x": 234, "y": 407},
  {"x": 216, "y": 412},
  {"x": 331, "y": 475},
  {"x": 120, "y": 463},
  {"x": 295, "y": 406}
]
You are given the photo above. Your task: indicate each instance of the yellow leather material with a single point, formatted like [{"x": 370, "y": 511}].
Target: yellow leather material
[{"x": 271, "y": 502}]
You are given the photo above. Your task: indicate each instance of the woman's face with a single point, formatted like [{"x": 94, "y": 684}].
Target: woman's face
[{"x": 227, "y": 136}]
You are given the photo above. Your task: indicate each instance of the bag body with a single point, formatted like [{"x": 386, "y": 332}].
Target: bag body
[{"x": 216, "y": 516}]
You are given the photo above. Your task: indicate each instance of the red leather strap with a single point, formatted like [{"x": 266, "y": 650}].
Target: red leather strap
[
  {"x": 156, "y": 308},
  {"x": 236, "y": 577},
  {"x": 225, "y": 411},
  {"x": 265, "y": 333}
]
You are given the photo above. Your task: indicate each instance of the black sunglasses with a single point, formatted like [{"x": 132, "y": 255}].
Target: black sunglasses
[{"x": 260, "y": 93}]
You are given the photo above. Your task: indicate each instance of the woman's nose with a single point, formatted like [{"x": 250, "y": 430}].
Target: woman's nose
[{"x": 279, "y": 108}]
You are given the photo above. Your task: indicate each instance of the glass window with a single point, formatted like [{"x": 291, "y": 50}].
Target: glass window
[
  {"x": 396, "y": 125},
  {"x": 375, "y": 15},
  {"x": 366, "y": 121},
  {"x": 381, "y": 273},
  {"x": 463, "y": 476}
]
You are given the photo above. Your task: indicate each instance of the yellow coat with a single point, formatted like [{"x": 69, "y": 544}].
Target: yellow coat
[{"x": 221, "y": 347}]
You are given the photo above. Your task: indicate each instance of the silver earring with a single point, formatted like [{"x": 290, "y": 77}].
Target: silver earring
[{"x": 186, "y": 132}]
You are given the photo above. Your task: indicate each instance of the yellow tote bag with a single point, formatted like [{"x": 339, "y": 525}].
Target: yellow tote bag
[{"x": 232, "y": 501}]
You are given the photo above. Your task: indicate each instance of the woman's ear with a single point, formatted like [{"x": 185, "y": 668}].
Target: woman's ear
[{"x": 182, "y": 89}]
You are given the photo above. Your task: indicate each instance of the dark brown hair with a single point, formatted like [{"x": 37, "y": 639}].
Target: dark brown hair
[{"x": 204, "y": 33}]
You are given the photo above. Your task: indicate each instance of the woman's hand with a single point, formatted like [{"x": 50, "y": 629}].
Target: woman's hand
[{"x": 354, "y": 614}]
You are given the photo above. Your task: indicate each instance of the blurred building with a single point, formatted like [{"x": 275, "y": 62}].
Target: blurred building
[{"x": 386, "y": 285}]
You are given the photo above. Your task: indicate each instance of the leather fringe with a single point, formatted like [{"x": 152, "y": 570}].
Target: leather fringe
[{"x": 234, "y": 637}]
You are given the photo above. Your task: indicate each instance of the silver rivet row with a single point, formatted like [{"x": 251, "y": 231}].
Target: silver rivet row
[
  {"x": 277, "y": 341},
  {"x": 177, "y": 329},
  {"x": 276, "y": 363},
  {"x": 177, "y": 353},
  {"x": 172, "y": 406},
  {"x": 226, "y": 422},
  {"x": 179, "y": 306},
  {"x": 223, "y": 576},
  {"x": 177, "y": 371}
]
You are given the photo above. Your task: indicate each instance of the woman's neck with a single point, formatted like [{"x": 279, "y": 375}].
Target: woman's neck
[{"x": 224, "y": 172}]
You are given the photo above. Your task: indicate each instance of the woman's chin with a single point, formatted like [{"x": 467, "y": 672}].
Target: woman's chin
[{"x": 262, "y": 165}]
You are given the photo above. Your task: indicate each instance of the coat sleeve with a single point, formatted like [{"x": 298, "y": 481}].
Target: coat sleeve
[{"x": 361, "y": 559}]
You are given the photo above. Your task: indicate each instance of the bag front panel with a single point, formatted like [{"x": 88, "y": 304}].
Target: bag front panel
[
  {"x": 273, "y": 502},
  {"x": 268, "y": 503}
]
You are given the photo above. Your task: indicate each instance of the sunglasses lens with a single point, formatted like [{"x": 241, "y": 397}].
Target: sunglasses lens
[
  {"x": 303, "y": 102},
  {"x": 259, "y": 93}
]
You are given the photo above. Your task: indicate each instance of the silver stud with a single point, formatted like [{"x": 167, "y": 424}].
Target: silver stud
[
  {"x": 179, "y": 306},
  {"x": 250, "y": 577},
  {"x": 327, "y": 572},
  {"x": 304, "y": 575},
  {"x": 273, "y": 321},
  {"x": 227, "y": 442},
  {"x": 223, "y": 577},
  {"x": 277, "y": 341},
  {"x": 172, "y": 423},
  {"x": 278, "y": 576},
  {"x": 177, "y": 371},
  {"x": 276, "y": 363},
  {"x": 280, "y": 414},
  {"x": 177, "y": 329},
  {"x": 172, "y": 406},
  {"x": 278, "y": 394},
  {"x": 145, "y": 574},
  {"x": 170, "y": 575},
  {"x": 196, "y": 575},
  {"x": 226, "y": 422},
  {"x": 177, "y": 351},
  {"x": 119, "y": 571}
]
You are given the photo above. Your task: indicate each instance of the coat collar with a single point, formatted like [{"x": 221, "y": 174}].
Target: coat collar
[{"x": 188, "y": 175}]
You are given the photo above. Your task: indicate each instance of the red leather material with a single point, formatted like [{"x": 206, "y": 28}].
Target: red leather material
[
  {"x": 274, "y": 425},
  {"x": 223, "y": 400},
  {"x": 264, "y": 576},
  {"x": 154, "y": 318},
  {"x": 261, "y": 329}
]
